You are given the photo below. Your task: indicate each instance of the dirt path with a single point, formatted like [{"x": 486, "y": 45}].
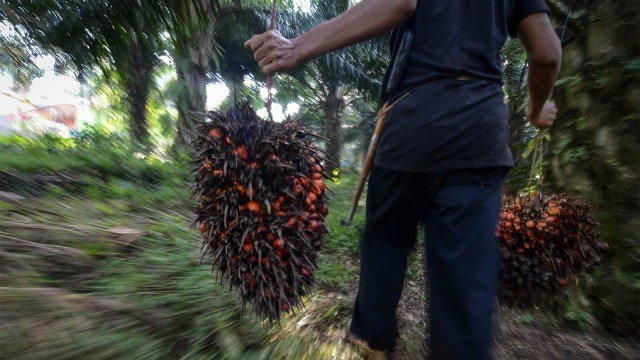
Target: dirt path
[{"x": 328, "y": 316}]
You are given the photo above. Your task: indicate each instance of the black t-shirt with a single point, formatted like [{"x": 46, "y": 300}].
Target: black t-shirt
[{"x": 446, "y": 123}]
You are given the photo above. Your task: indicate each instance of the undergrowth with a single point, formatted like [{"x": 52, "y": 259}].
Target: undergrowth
[{"x": 106, "y": 265}]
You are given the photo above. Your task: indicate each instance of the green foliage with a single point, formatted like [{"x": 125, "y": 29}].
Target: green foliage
[
  {"x": 578, "y": 317},
  {"x": 336, "y": 266},
  {"x": 346, "y": 240},
  {"x": 152, "y": 299},
  {"x": 92, "y": 158},
  {"x": 16, "y": 57},
  {"x": 525, "y": 318}
]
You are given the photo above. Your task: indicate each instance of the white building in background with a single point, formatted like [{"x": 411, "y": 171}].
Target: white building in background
[
  {"x": 53, "y": 103},
  {"x": 19, "y": 114}
]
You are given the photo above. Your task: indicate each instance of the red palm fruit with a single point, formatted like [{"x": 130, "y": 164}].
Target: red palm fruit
[
  {"x": 284, "y": 307},
  {"x": 529, "y": 224},
  {"x": 247, "y": 247},
  {"x": 253, "y": 206},
  {"x": 278, "y": 244},
  {"x": 214, "y": 133},
  {"x": 238, "y": 186},
  {"x": 291, "y": 222},
  {"x": 324, "y": 210},
  {"x": 311, "y": 208},
  {"x": 314, "y": 225},
  {"x": 241, "y": 151},
  {"x": 319, "y": 183},
  {"x": 281, "y": 214},
  {"x": 304, "y": 182},
  {"x": 298, "y": 190},
  {"x": 316, "y": 176},
  {"x": 311, "y": 198},
  {"x": 203, "y": 227},
  {"x": 305, "y": 272}
]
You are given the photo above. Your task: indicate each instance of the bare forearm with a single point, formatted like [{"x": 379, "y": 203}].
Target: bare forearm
[
  {"x": 541, "y": 81},
  {"x": 544, "y": 53},
  {"x": 365, "y": 20}
]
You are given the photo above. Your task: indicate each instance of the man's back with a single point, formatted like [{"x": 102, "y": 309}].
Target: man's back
[
  {"x": 462, "y": 37},
  {"x": 455, "y": 118}
]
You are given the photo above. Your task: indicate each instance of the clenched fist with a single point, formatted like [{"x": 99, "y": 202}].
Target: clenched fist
[
  {"x": 274, "y": 52},
  {"x": 546, "y": 117}
]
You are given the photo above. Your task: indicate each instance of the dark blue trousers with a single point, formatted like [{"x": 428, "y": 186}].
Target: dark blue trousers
[{"x": 459, "y": 210}]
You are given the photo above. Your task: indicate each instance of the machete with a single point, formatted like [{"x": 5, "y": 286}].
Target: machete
[{"x": 395, "y": 74}]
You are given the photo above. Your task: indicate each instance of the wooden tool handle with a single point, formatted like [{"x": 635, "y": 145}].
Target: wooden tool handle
[{"x": 382, "y": 115}]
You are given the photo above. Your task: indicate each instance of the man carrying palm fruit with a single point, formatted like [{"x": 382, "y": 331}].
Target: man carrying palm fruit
[{"x": 442, "y": 158}]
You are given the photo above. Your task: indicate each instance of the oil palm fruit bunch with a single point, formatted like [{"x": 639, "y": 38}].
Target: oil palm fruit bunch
[
  {"x": 545, "y": 244},
  {"x": 261, "y": 205}
]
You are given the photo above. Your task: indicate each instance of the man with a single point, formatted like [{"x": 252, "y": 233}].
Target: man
[{"x": 442, "y": 158}]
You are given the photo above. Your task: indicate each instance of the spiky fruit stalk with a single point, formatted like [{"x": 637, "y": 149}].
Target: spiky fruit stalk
[
  {"x": 544, "y": 245},
  {"x": 261, "y": 207}
]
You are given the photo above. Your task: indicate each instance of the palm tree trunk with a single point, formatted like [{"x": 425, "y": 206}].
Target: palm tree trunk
[
  {"x": 194, "y": 44},
  {"x": 191, "y": 100},
  {"x": 137, "y": 84},
  {"x": 333, "y": 106},
  {"x": 137, "y": 97}
]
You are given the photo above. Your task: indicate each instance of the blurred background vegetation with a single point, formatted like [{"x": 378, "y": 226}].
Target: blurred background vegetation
[{"x": 96, "y": 255}]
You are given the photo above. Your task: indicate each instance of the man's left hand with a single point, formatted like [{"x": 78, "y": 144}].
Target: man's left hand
[{"x": 273, "y": 52}]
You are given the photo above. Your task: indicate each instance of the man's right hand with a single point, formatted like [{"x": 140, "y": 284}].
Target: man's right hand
[{"x": 545, "y": 118}]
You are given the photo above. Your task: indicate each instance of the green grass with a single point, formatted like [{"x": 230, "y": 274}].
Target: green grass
[
  {"x": 337, "y": 263},
  {"x": 74, "y": 292}
]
